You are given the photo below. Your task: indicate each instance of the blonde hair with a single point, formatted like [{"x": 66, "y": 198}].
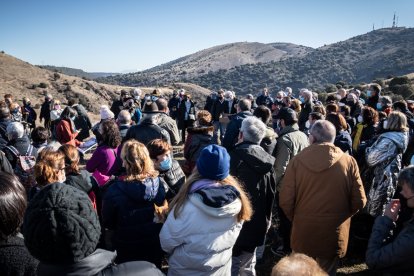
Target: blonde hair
[
  {"x": 137, "y": 161},
  {"x": 47, "y": 168},
  {"x": 299, "y": 265},
  {"x": 397, "y": 121},
  {"x": 182, "y": 196}
]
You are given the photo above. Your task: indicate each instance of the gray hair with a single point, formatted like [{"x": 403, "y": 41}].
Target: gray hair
[
  {"x": 124, "y": 117},
  {"x": 253, "y": 129},
  {"x": 323, "y": 131},
  {"x": 245, "y": 105},
  {"x": 15, "y": 130}
]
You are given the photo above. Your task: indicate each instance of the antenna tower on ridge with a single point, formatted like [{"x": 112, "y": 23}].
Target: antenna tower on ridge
[{"x": 393, "y": 22}]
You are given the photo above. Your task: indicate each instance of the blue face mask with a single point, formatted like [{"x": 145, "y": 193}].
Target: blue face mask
[
  {"x": 301, "y": 99},
  {"x": 166, "y": 164},
  {"x": 369, "y": 93},
  {"x": 379, "y": 106}
]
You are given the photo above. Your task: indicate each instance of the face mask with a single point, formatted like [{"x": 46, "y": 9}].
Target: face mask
[
  {"x": 369, "y": 93},
  {"x": 73, "y": 118},
  {"x": 360, "y": 119},
  {"x": 57, "y": 106},
  {"x": 385, "y": 124},
  {"x": 379, "y": 106},
  {"x": 301, "y": 99},
  {"x": 307, "y": 124},
  {"x": 137, "y": 98},
  {"x": 147, "y": 98},
  {"x": 166, "y": 164}
]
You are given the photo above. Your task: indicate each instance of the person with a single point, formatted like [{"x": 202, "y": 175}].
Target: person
[
  {"x": 167, "y": 122},
  {"x": 332, "y": 108},
  {"x": 268, "y": 142},
  {"x": 264, "y": 98},
  {"x": 206, "y": 217},
  {"x": 384, "y": 158},
  {"x": 106, "y": 115},
  {"x": 306, "y": 98},
  {"x": 76, "y": 177},
  {"x": 351, "y": 121},
  {"x": 297, "y": 264},
  {"x": 118, "y": 105},
  {"x": 342, "y": 139},
  {"x": 52, "y": 212},
  {"x": 103, "y": 163},
  {"x": 355, "y": 105},
  {"x": 186, "y": 115},
  {"x": 168, "y": 168},
  {"x": 45, "y": 111},
  {"x": 66, "y": 132},
  {"x": 16, "y": 112},
  {"x": 217, "y": 112},
  {"x": 254, "y": 168},
  {"x": 253, "y": 102},
  {"x": 384, "y": 104},
  {"x": 133, "y": 109},
  {"x": 342, "y": 95},
  {"x": 148, "y": 129},
  {"x": 199, "y": 136},
  {"x": 373, "y": 93},
  {"x": 4, "y": 122},
  {"x": 232, "y": 130},
  {"x": 231, "y": 102},
  {"x": 313, "y": 117},
  {"x": 128, "y": 207},
  {"x": 8, "y": 99},
  {"x": 321, "y": 209},
  {"x": 40, "y": 136},
  {"x": 29, "y": 114},
  {"x": 394, "y": 255},
  {"x": 82, "y": 121},
  {"x": 124, "y": 122},
  {"x": 15, "y": 259},
  {"x": 173, "y": 105},
  {"x": 291, "y": 141},
  {"x": 210, "y": 101},
  {"x": 56, "y": 111}
]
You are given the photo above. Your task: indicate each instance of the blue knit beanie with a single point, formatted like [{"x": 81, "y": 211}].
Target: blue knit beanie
[{"x": 214, "y": 162}]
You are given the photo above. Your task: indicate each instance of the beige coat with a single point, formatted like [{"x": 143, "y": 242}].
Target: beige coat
[{"x": 321, "y": 190}]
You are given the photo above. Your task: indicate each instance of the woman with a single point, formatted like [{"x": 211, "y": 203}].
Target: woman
[
  {"x": 342, "y": 140},
  {"x": 15, "y": 259},
  {"x": 384, "y": 157},
  {"x": 76, "y": 177},
  {"x": 206, "y": 218},
  {"x": 186, "y": 115},
  {"x": 55, "y": 113},
  {"x": 103, "y": 163},
  {"x": 66, "y": 131},
  {"x": 169, "y": 169},
  {"x": 129, "y": 205},
  {"x": 268, "y": 143},
  {"x": 199, "y": 136}
]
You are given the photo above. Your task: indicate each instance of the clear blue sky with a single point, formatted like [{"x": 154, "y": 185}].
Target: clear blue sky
[{"x": 113, "y": 36}]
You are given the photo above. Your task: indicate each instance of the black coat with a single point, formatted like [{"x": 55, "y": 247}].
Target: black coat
[
  {"x": 264, "y": 100},
  {"x": 45, "y": 111},
  {"x": 3, "y": 132},
  {"x": 82, "y": 122},
  {"x": 81, "y": 181},
  {"x": 116, "y": 107},
  {"x": 182, "y": 110},
  {"x": 174, "y": 178},
  {"x": 254, "y": 168},
  {"x": 219, "y": 108},
  {"x": 307, "y": 108},
  {"x": 233, "y": 129},
  {"x": 343, "y": 141},
  {"x": 173, "y": 106},
  {"x": 147, "y": 131},
  {"x": 99, "y": 263},
  {"x": 15, "y": 259},
  {"x": 209, "y": 103},
  {"x": 5, "y": 164}
]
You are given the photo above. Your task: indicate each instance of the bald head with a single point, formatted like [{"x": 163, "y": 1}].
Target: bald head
[
  {"x": 162, "y": 104},
  {"x": 322, "y": 131}
]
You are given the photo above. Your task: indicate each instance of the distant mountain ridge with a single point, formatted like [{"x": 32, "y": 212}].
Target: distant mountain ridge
[
  {"x": 77, "y": 72},
  {"x": 373, "y": 55}
]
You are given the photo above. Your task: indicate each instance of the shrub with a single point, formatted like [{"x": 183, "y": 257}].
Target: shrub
[
  {"x": 42, "y": 85},
  {"x": 56, "y": 76}
]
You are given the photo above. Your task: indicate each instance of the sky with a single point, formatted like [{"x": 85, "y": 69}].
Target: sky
[{"x": 133, "y": 35}]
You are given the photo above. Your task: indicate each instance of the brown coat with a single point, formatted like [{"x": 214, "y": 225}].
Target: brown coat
[{"x": 321, "y": 190}]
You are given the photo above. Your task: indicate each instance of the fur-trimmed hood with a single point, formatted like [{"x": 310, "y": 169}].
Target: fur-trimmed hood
[{"x": 201, "y": 130}]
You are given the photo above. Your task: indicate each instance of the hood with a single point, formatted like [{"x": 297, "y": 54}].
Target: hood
[
  {"x": 326, "y": 155},
  {"x": 289, "y": 129},
  {"x": 80, "y": 181},
  {"x": 217, "y": 200},
  {"x": 255, "y": 157},
  {"x": 206, "y": 130},
  {"x": 140, "y": 191},
  {"x": 399, "y": 138},
  {"x": 270, "y": 133},
  {"x": 343, "y": 138}
]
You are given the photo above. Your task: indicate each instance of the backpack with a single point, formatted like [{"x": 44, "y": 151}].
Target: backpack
[{"x": 25, "y": 166}]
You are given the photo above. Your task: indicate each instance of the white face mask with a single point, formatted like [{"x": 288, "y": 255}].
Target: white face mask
[
  {"x": 307, "y": 124},
  {"x": 360, "y": 119}
]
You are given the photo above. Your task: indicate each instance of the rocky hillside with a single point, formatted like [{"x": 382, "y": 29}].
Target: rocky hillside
[
  {"x": 77, "y": 72},
  {"x": 375, "y": 55},
  {"x": 211, "y": 60}
]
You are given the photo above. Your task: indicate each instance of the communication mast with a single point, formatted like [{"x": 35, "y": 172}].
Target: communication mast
[{"x": 394, "y": 25}]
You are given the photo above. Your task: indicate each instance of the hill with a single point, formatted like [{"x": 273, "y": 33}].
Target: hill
[
  {"x": 374, "y": 55},
  {"x": 76, "y": 72},
  {"x": 211, "y": 60}
]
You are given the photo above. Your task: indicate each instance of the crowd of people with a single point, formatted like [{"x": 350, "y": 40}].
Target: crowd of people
[{"x": 286, "y": 172}]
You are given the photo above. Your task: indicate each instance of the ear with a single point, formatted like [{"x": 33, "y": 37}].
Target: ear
[{"x": 311, "y": 139}]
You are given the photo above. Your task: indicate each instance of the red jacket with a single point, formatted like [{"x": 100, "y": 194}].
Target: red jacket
[{"x": 65, "y": 135}]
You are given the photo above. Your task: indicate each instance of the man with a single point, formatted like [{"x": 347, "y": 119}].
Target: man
[
  {"x": 251, "y": 99},
  {"x": 355, "y": 105},
  {"x": 118, "y": 105},
  {"x": 124, "y": 122},
  {"x": 232, "y": 130},
  {"x": 342, "y": 95},
  {"x": 29, "y": 114},
  {"x": 231, "y": 102},
  {"x": 306, "y": 98},
  {"x": 5, "y": 120},
  {"x": 45, "y": 111},
  {"x": 173, "y": 105},
  {"x": 210, "y": 101},
  {"x": 291, "y": 141},
  {"x": 253, "y": 167},
  {"x": 373, "y": 94},
  {"x": 167, "y": 123},
  {"x": 265, "y": 99},
  {"x": 217, "y": 112},
  {"x": 321, "y": 191}
]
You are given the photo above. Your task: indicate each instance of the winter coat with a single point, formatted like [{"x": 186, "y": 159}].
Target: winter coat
[
  {"x": 123, "y": 129},
  {"x": 233, "y": 129},
  {"x": 103, "y": 163},
  {"x": 84, "y": 182},
  {"x": 395, "y": 256},
  {"x": 3, "y": 132},
  {"x": 200, "y": 240},
  {"x": 174, "y": 177},
  {"x": 231, "y": 106},
  {"x": 99, "y": 263},
  {"x": 209, "y": 103},
  {"x": 65, "y": 134},
  {"x": 5, "y": 164},
  {"x": 173, "y": 107},
  {"x": 15, "y": 259},
  {"x": 268, "y": 143},
  {"x": 128, "y": 210},
  {"x": 254, "y": 168},
  {"x": 264, "y": 100},
  {"x": 45, "y": 110},
  {"x": 320, "y": 198},
  {"x": 116, "y": 107},
  {"x": 167, "y": 123},
  {"x": 384, "y": 158},
  {"x": 22, "y": 146},
  {"x": 307, "y": 108},
  {"x": 82, "y": 122},
  {"x": 218, "y": 109},
  {"x": 183, "y": 116},
  {"x": 343, "y": 141},
  {"x": 147, "y": 131},
  {"x": 197, "y": 139},
  {"x": 372, "y": 101},
  {"x": 291, "y": 141}
]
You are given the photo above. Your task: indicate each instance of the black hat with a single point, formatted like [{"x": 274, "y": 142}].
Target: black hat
[
  {"x": 60, "y": 225},
  {"x": 287, "y": 114}
]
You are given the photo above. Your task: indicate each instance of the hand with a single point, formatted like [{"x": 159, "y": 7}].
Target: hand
[{"x": 392, "y": 209}]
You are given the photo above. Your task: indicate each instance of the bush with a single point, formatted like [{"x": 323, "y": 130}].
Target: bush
[
  {"x": 56, "y": 76},
  {"x": 404, "y": 90},
  {"x": 399, "y": 81},
  {"x": 330, "y": 88},
  {"x": 42, "y": 85}
]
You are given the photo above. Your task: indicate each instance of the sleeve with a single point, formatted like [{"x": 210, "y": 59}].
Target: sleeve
[
  {"x": 379, "y": 151},
  {"x": 282, "y": 155},
  {"x": 174, "y": 134},
  {"x": 394, "y": 254},
  {"x": 358, "y": 197},
  {"x": 109, "y": 211},
  {"x": 171, "y": 235},
  {"x": 287, "y": 195},
  {"x": 230, "y": 135},
  {"x": 165, "y": 136}
]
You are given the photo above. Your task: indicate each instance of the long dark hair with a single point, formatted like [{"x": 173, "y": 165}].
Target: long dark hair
[{"x": 67, "y": 114}]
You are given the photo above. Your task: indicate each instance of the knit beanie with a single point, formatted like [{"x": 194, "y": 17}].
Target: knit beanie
[
  {"x": 214, "y": 162},
  {"x": 106, "y": 113},
  {"x": 60, "y": 225}
]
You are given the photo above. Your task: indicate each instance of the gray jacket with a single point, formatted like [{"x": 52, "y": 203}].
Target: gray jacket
[{"x": 169, "y": 124}]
